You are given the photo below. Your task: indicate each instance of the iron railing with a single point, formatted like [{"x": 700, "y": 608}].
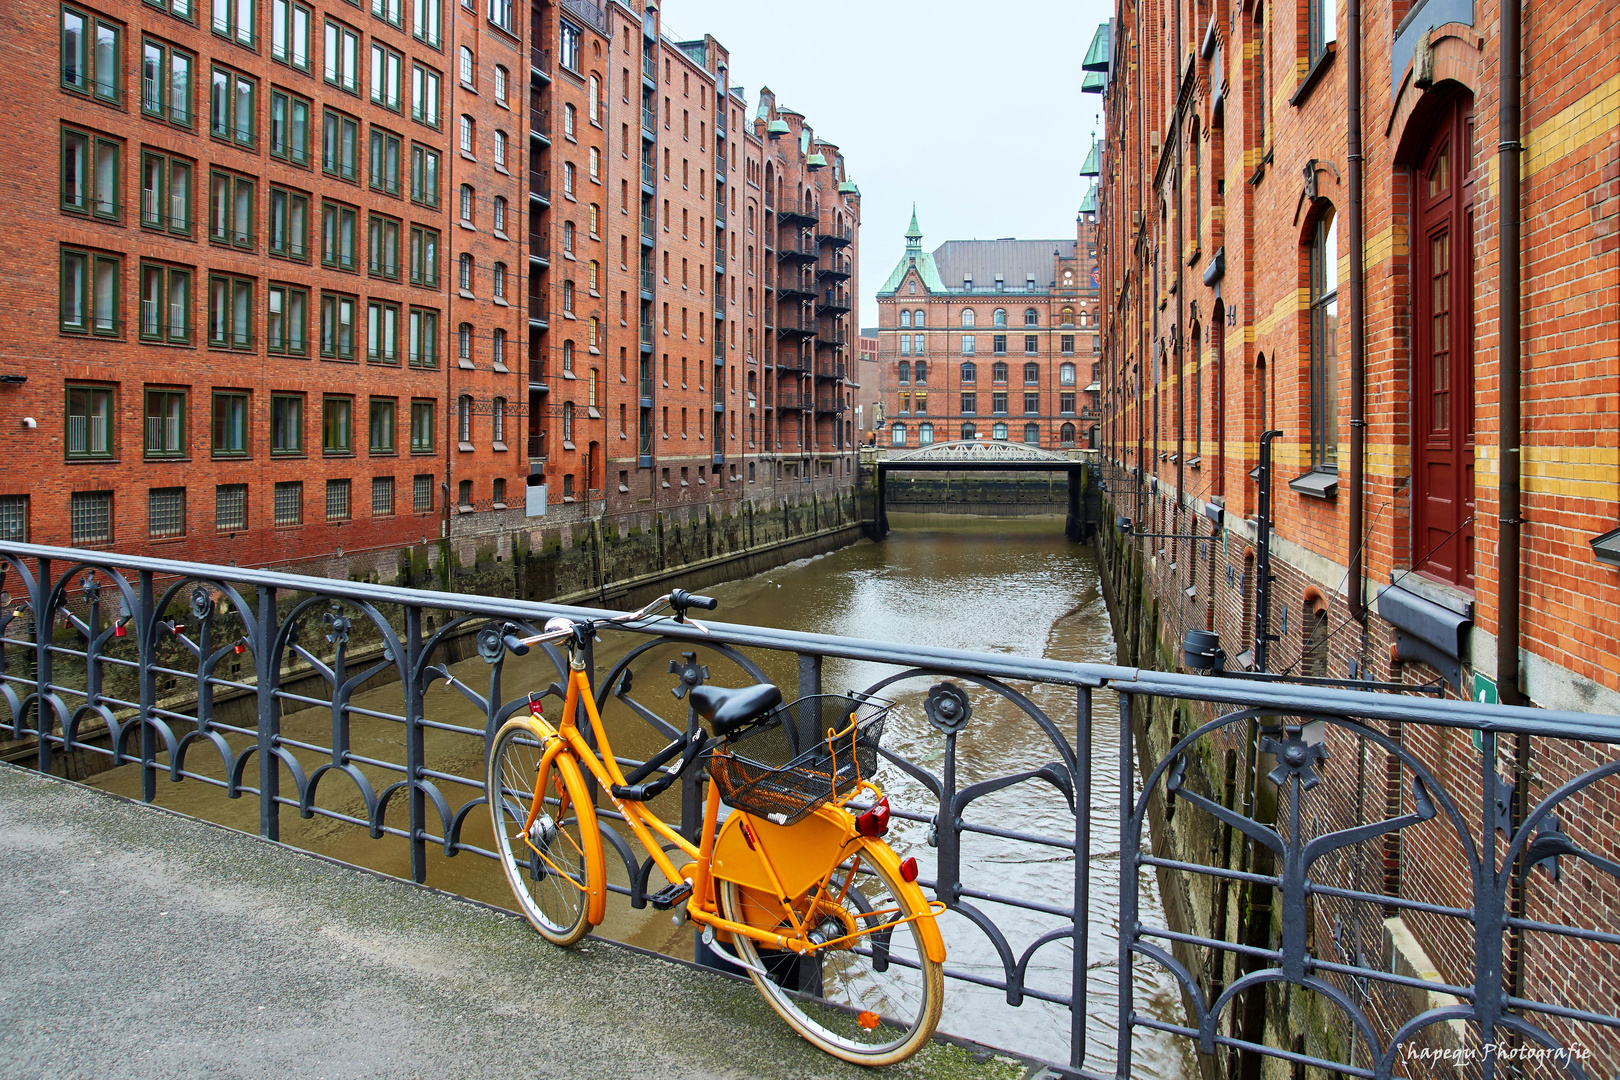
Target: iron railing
[
  {"x": 540, "y": 60},
  {"x": 1274, "y": 807}
]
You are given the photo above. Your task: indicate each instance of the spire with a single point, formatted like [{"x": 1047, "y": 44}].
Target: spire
[{"x": 914, "y": 234}]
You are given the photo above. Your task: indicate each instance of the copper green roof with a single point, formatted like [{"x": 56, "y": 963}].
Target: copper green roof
[
  {"x": 777, "y": 127},
  {"x": 848, "y": 188},
  {"x": 1097, "y": 56},
  {"x": 1089, "y": 205},
  {"x": 914, "y": 233},
  {"x": 816, "y": 161},
  {"x": 1090, "y": 167},
  {"x": 1095, "y": 82},
  {"x": 914, "y": 258}
]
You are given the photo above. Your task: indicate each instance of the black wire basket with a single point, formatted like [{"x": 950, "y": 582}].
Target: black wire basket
[{"x": 759, "y": 771}]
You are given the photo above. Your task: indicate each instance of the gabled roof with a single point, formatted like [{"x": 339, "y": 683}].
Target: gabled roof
[{"x": 926, "y": 270}]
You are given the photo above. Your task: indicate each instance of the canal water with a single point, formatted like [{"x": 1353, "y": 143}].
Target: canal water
[{"x": 1014, "y": 586}]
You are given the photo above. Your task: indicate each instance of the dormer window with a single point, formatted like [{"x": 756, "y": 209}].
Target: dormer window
[
  {"x": 1029, "y": 283},
  {"x": 1001, "y": 284},
  {"x": 967, "y": 282}
]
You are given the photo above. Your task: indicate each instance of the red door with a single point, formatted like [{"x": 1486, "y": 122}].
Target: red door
[{"x": 1443, "y": 353}]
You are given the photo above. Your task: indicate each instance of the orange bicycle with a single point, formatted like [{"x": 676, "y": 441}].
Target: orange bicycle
[{"x": 823, "y": 915}]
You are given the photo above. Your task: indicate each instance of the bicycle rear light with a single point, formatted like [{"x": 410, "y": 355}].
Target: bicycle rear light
[
  {"x": 875, "y": 822},
  {"x": 908, "y": 869}
]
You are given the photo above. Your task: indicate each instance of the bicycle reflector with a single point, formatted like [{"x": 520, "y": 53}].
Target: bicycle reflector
[
  {"x": 875, "y": 822},
  {"x": 908, "y": 869}
]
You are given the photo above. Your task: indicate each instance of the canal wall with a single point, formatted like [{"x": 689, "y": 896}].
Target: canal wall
[{"x": 983, "y": 494}]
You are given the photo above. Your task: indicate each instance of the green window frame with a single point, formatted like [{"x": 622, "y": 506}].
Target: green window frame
[
  {"x": 383, "y": 166},
  {"x": 425, "y": 95},
  {"x": 237, "y": 20},
  {"x": 341, "y": 57},
  {"x": 426, "y": 23},
  {"x": 165, "y": 303},
  {"x": 287, "y": 225},
  {"x": 337, "y": 326},
  {"x": 340, "y": 134},
  {"x": 386, "y": 75},
  {"x": 165, "y": 193},
  {"x": 337, "y": 424},
  {"x": 424, "y": 338},
  {"x": 166, "y": 82},
  {"x": 382, "y": 251},
  {"x": 180, "y": 9},
  {"x": 164, "y": 433},
  {"x": 230, "y": 427},
  {"x": 382, "y": 426},
  {"x": 424, "y": 256},
  {"x": 230, "y": 209},
  {"x": 424, "y": 175},
  {"x": 382, "y": 332},
  {"x": 230, "y": 312},
  {"x": 92, "y": 174},
  {"x": 232, "y": 105},
  {"x": 388, "y": 11},
  {"x": 286, "y": 425},
  {"x": 338, "y": 223},
  {"x": 289, "y": 33},
  {"x": 90, "y": 288},
  {"x": 289, "y": 127},
  {"x": 92, "y": 49},
  {"x": 422, "y": 429},
  {"x": 89, "y": 419},
  {"x": 287, "y": 321}
]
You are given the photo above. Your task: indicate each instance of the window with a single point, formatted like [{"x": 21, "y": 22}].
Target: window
[
  {"x": 1032, "y": 345},
  {"x": 1066, "y": 435},
  {"x": 89, "y": 293},
  {"x": 230, "y": 209},
  {"x": 382, "y": 426},
  {"x": 497, "y": 425},
  {"x": 230, "y": 424},
  {"x": 595, "y": 99},
  {"x": 230, "y": 312},
  {"x": 1068, "y": 344},
  {"x": 339, "y": 135},
  {"x": 287, "y": 321},
  {"x": 500, "y": 13},
  {"x": 500, "y": 150},
  {"x": 424, "y": 175},
  {"x": 970, "y": 402},
  {"x": 90, "y": 517},
  {"x": 967, "y": 317},
  {"x": 91, "y": 49},
  {"x": 421, "y": 428},
  {"x": 596, "y": 164},
  {"x": 425, "y": 22},
  {"x": 998, "y": 371},
  {"x": 998, "y": 344},
  {"x": 287, "y": 424},
  {"x": 498, "y": 281},
  {"x": 464, "y": 406},
  {"x": 424, "y": 256},
  {"x": 387, "y": 10},
  {"x": 969, "y": 432},
  {"x": 384, "y": 164},
  {"x": 382, "y": 496},
  {"x": 568, "y": 422},
  {"x": 166, "y": 83},
  {"x": 89, "y": 422},
  {"x": 1031, "y": 317},
  {"x": 166, "y": 193},
  {"x": 920, "y": 373},
  {"x": 382, "y": 251},
  {"x": 998, "y": 432},
  {"x": 464, "y": 337},
  {"x": 897, "y": 435},
  {"x": 165, "y": 303},
  {"x": 905, "y": 344},
  {"x": 568, "y": 179},
  {"x": 920, "y": 403},
  {"x": 424, "y": 338},
  {"x": 469, "y": 130},
  {"x": 969, "y": 372},
  {"x": 497, "y": 349},
  {"x": 464, "y": 497},
  {"x": 337, "y": 235},
  {"x": 230, "y": 507},
  {"x": 466, "y": 67},
  {"x": 905, "y": 373},
  {"x": 1032, "y": 434},
  {"x": 1324, "y": 321},
  {"x": 337, "y": 425},
  {"x": 91, "y": 174},
  {"x": 236, "y": 19},
  {"x": 464, "y": 272},
  {"x": 382, "y": 332},
  {"x": 1000, "y": 317},
  {"x": 422, "y": 493},
  {"x": 337, "y": 326},
  {"x": 568, "y": 39},
  {"x": 970, "y": 344},
  {"x": 500, "y": 83},
  {"x": 289, "y": 127},
  {"x": 231, "y": 102},
  {"x": 425, "y": 95},
  {"x": 1032, "y": 374},
  {"x": 498, "y": 214},
  {"x": 568, "y": 239},
  {"x": 998, "y": 402},
  {"x": 498, "y": 491},
  {"x": 342, "y": 57},
  {"x": 1032, "y": 404},
  {"x": 290, "y": 502},
  {"x": 337, "y": 500},
  {"x": 289, "y": 33},
  {"x": 570, "y": 122},
  {"x": 166, "y": 512},
  {"x": 467, "y": 200},
  {"x": 1323, "y": 29}
]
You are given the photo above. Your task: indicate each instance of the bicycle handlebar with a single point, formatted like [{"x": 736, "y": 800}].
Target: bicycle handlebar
[{"x": 679, "y": 599}]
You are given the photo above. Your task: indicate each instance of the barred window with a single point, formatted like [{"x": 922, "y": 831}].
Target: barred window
[
  {"x": 500, "y": 491},
  {"x": 90, "y": 517},
  {"x": 422, "y": 492},
  {"x": 465, "y": 499},
  {"x": 382, "y": 496},
  {"x": 290, "y": 502},
  {"x": 230, "y": 507},
  {"x": 14, "y": 518},
  {"x": 337, "y": 500},
  {"x": 166, "y": 512}
]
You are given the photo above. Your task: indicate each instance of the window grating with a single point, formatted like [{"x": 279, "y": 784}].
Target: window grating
[
  {"x": 382, "y": 496},
  {"x": 422, "y": 492},
  {"x": 337, "y": 500},
  {"x": 90, "y": 517},
  {"x": 166, "y": 512},
  {"x": 14, "y": 518},
  {"x": 290, "y": 502},
  {"x": 230, "y": 507}
]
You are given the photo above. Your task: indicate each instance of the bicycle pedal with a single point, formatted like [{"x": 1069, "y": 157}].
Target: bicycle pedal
[{"x": 670, "y": 895}]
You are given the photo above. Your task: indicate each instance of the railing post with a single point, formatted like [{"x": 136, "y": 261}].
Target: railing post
[
  {"x": 1082, "y": 879},
  {"x": 43, "y": 623},
  {"x": 1127, "y": 889},
  {"x": 264, "y": 663},
  {"x": 415, "y": 746},
  {"x": 809, "y": 719},
  {"x": 147, "y": 646}
]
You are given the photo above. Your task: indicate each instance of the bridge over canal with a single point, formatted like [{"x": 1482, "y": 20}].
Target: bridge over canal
[{"x": 984, "y": 455}]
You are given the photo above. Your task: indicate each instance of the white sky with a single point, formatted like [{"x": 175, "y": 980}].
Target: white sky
[{"x": 972, "y": 110}]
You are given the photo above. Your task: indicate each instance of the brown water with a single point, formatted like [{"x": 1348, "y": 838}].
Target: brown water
[{"x": 1001, "y": 585}]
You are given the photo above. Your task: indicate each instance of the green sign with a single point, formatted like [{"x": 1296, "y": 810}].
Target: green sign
[{"x": 1484, "y": 694}]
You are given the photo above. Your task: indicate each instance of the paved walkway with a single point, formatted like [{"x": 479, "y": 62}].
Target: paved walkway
[{"x": 138, "y": 943}]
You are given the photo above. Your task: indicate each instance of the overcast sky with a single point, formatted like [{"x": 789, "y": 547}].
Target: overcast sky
[{"x": 973, "y": 111}]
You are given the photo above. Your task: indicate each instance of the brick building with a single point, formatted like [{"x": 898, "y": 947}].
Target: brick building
[
  {"x": 869, "y": 383},
  {"x": 292, "y": 279},
  {"x": 991, "y": 339},
  {"x": 1282, "y": 254}
]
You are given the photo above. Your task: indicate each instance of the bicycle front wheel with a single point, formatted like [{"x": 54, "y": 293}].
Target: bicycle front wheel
[
  {"x": 554, "y": 867},
  {"x": 872, "y": 1000}
]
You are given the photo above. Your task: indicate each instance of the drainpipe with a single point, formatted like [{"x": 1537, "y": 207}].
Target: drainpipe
[
  {"x": 1508, "y": 310},
  {"x": 1358, "y": 329}
]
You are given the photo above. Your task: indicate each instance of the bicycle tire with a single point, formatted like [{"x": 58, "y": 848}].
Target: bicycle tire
[
  {"x": 905, "y": 993},
  {"x": 554, "y": 896}
]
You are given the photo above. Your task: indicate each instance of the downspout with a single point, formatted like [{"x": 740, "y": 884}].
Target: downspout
[
  {"x": 1358, "y": 329},
  {"x": 1508, "y": 310}
]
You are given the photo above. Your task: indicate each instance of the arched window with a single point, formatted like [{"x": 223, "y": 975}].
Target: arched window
[
  {"x": 466, "y": 66},
  {"x": 595, "y": 281},
  {"x": 596, "y": 99},
  {"x": 1066, "y": 435},
  {"x": 568, "y": 296},
  {"x": 568, "y": 238},
  {"x": 998, "y": 371},
  {"x": 568, "y": 356},
  {"x": 925, "y": 434},
  {"x": 999, "y": 431},
  {"x": 921, "y": 373},
  {"x": 596, "y": 163},
  {"x": 500, "y": 149},
  {"x": 499, "y": 214},
  {"x": 467, "y": 203},
  {"x": 1032, "y": 434},
  {"x": 918, "y": 319},
  {"x": 464, "y": 419},
  {"x": 464, "y": 498},
  {"x": 1323, "y": 268},
  {"x": 1031, "y": 317},
  {"x": 568, "y": 178},
  {"x": 500, "y": 83},
  {"x": 595, "y": 340},
  {"x": 905, "y": 318},
  {"x": 1000, "y": 317},
  {"x": 568, "y": 422},
  {"x": 897, "y": 435},
  {"x": 905, "y": 373},
  {"x": 913, "y": 288},
  {"x": 969, "y": 432},
  {"x": 1066, "y": 375},
  {"x": 468, "y": 131},
  {"x": 497, "y": 349},
  {"x": 970, "y": 372},
  {"x": 465, "y": 271},
  {"x": 570, "y": 121},
  {"x": 464, "y": 336},
  {"x": 497, "y": 421},
  {"x": 1032, "y": 374},
  {"x": 498, "y": 281},
  {"x": 967, "y": 317},
  {"x": 1068, "y": 316}
]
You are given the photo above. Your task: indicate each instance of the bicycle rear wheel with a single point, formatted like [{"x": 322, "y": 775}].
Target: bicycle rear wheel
[
  {"x": 552, "y": 871},
  {"x": 872, "y": 1001}
]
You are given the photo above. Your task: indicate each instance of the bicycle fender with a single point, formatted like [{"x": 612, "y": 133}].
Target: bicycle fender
[
  {"x": 878, "y": 852},
  {"x": 590, "y": 832}
]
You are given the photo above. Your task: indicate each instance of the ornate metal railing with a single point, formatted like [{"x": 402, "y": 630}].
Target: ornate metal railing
[{"x": 1290, "y": 825}]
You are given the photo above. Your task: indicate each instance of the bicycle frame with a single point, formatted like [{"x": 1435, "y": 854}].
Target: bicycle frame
[{"x": 742, "y": 839}]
